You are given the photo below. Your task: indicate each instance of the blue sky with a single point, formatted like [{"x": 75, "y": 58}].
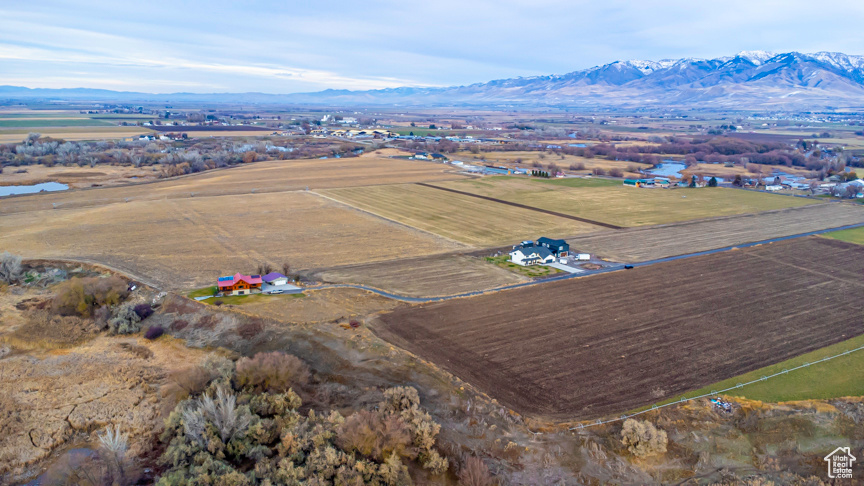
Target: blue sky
[{"x": 295, "y": 46}]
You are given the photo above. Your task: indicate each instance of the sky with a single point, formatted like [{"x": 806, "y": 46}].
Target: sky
[{"x": 290, "y": 46}]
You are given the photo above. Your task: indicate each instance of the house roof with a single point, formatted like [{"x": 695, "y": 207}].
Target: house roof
[
  {"x": 272, "y": 276},
  {"x": 239, "y": 277},
  {"x": 530, "y": 250},
  {"x": 550, "y": 241}
]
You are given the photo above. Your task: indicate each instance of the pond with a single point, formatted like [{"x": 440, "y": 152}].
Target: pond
[
  {"x": 668, "y": 169},
  {"x": 33, "y": 188}
]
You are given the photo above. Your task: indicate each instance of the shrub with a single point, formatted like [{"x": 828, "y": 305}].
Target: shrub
[
  {"x": 616, "y": 172},
  {"x": 143, "y": 310},
  {"x": 475, "y": 473},
  {"x": 125, "y": 320},
  {"x": 83, "y": 296},
  {"x": 154, "y": 332},
  {"x": 179, "y": 325},
  {"x": 577, "y": 166},
  {"x": 598, "y": 171},
  {"x": 275, "y": 372},
  {"x": 642, "y": 438},
  {"x": 375, "y": 436},
  {"x": 10, "y": 268},
  {"x": 250, "y": 329}
]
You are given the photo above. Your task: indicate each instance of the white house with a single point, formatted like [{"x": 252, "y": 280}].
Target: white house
[
  {"x": 773, "y": 187},
  {"x": 531, "y": 255}
]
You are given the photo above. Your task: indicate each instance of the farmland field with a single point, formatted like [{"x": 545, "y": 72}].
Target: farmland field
[
  {"x": 627, "y": 206},
  {"x": 426, "y": 276},
  {"x": 582, "y": 348},
  {"x": 855, "y": 235},
  {"x": 461, "y": 218},
  {"x": 186, "y": 243},
  {"x": 16, "y": 135},
  {"x": 273, "y": 176},
  {"x": 640, "y": 244}
]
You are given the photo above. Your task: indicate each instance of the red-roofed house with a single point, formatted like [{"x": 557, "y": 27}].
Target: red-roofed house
[{"x": 239, "y": 284}]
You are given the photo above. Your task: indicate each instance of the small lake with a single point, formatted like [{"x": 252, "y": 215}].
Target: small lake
[
  {"x": 33, "y": 188},
  {"x": 668, "y": 169}
]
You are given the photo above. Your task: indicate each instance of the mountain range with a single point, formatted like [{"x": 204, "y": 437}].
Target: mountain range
[{"x": 747, "y": 80}]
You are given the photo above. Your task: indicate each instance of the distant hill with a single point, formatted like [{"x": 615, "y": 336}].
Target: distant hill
[{"x": 754, "y": 79}]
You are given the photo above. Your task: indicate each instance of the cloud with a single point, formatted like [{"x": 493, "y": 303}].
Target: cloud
[{"x": 276, "y": 46}]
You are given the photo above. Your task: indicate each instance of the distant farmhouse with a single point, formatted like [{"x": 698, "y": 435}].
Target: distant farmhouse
[
  {"x": 272, "y": 283},
  {"x": 531, "y": 255},
  {"x": 543, "y": 252},
  {"x": 239, "y": 284}
]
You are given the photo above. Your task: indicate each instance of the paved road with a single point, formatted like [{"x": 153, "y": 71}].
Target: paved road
[{"x": 585, "y": 274}]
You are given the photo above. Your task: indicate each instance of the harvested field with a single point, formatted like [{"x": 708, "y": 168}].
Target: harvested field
[
  {"x": 272, "y": 176},
  {"x": 581, "y": 349},
  {"x": 186, "y": 243},
  {"x": 641, "y": 244},
  {"x": 627, "y": 206},
  {"x": 428, "y": 276},
  {"x": 458, "y": 217}
]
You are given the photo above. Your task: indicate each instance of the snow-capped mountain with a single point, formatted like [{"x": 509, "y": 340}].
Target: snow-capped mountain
[{"x": 747, "y": 80}]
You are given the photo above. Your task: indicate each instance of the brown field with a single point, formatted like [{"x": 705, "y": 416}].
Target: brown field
[
  {"x": 186, "y": 243},
  {"x": 641, "y": 244},
  {"x": 77, "y": 177},
  {"x": 272, "y": 176},
  {"x": 581, "y": 349},
  {"x": 626, "y": 206},
  {"x": 428, "y": 276},
  {"x": 73, "y": 133},
  {"x": 461, "y": 218}
]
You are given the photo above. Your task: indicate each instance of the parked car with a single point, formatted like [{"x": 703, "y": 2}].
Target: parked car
[{"x": 628, "y": 267}]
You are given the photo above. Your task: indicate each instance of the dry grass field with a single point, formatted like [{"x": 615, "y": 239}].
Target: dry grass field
[
  {"x": 641, "y": 244},
  {"x": 272, "y": 176},
  {"x": 77, "y": 177},
  {"x": 187, "y": 243},
  {"x": 627, "y": 206},
  {"x": 581, "y": 349},
  {"x": 15, "y": 135},
  {"x": 461, "y": 218},
  {"x": 428, "y": 276}
]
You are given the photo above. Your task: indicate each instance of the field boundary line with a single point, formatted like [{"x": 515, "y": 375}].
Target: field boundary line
[
  {"x": 523, "y": 206},
  {"x": 343, "y": 203},
  {"x": 714, "y": 392}
]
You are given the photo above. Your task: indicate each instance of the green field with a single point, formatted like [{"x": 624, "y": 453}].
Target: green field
[
  {"x": 610, "y": 202},
  {"x": 839, "y": 377},
  {"x": 580, "y": 182},
  {"x": 249, "y": 299},
  {"x": 855, "y": 235},
  {"x": 202, "y": 292}
]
